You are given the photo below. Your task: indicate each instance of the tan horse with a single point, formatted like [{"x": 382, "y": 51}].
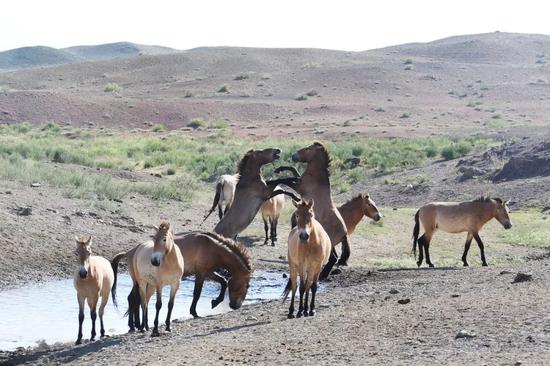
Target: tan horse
[
  {"x": 271, "y": 210},
  {"x": 153, "y": 265},
  {"x": 315, "y": 183},
  {"x": 308, "y": 251},
  {"x": 225, "y": 192},
  {"x": 206, "y": 253},
  {"x": 353, "y": 211},
  {"x": 93, "y": 280},
  {"x": 453, "y": 217},
  {"x": 251, "y": 192}
]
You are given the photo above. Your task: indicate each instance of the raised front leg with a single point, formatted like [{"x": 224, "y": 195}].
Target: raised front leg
[
  {"x": 223, "y": 283},
  {"x": 290, "y": 182},
  {"x": 158, "y": 306},
  {"x": 469, "y": 238},
  {"x": 481, "y": 249},
  {"x": 280, "y": 191},
  {"x": 289, "y": 169},
  {"x": 199, "y": 281},
  {"x": 343, "y": 261},
  {"x": 328, "y": 267}
]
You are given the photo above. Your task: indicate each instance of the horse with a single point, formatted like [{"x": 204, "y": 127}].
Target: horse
[
  {"x": 93, "y": 279},
  {"x": 453, "y": 217},
  {"x": 315, "y": 183},
  {"x": 309, "y": 248},
  {"x": 152, "y": 265},
  {"x": 271, "y": 210},
  {"x": 251, "y": 192},
  {"x": 225, "y": 191},
  {"x": 353, "y": 211},
  {"x": 205, "y": 253}
]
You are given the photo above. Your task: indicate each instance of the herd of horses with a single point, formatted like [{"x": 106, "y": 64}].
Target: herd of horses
[{"x": 318, "y": 226}]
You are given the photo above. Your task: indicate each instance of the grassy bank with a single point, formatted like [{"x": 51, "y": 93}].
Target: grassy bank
[{"x": 188, "y": 161}]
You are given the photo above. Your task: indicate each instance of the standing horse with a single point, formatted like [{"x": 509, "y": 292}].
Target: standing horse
[
  {"x": 93, "y": 279},
  {"x": 308, "y": 250},
  {"x": 271, "y": 210},
  {"x": 251, "y": 192},
  {"x": 353, "y": 211},
  {"x": 453, "y": 217},
  {"x": 205, "y": 253},
  {"x": 315, "y": 183},
  {"x": 152, "y": 265},
  {"x": 225, "y": 191}
]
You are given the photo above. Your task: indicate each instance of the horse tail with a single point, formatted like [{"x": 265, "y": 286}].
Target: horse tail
[
  {"x": 134, "y": 300},
  {"x": 416, "y": 230},
  {"x": 219, "y": 188},
  {"x": 287, "y": 289},
  {"x": 114, "y": 266}
]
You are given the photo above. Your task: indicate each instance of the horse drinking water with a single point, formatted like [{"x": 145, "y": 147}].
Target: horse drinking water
[
  {"x": 308, "y": 251},
  {"x": 453, "y": 217},
  {"x": 93, "y": 280}
]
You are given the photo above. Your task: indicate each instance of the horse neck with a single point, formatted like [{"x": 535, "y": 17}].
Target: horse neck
[
  {"x": 251, "y": 171},
  {"x": 319, "y": 170},
  {"x": 232, "y": 263},
  {"x": 487, "y": 211},
  {"x": 352, "y": 214}
]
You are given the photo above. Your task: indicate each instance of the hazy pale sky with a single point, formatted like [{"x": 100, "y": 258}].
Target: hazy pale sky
[{"x": 183, "y": 24}]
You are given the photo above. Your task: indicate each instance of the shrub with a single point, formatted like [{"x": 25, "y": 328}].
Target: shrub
[
  {"x": 158, "y": 127},
  {"x": 311, "y": 93},
  {"x": 223, "y": 89},
  {"x": 196, "y": 123},
  {"x": 301, "y": 97},
  {"x": 242, "y": 76},
  {"x": 112, "y": 88},
  {"x": 405, "y": 115}
]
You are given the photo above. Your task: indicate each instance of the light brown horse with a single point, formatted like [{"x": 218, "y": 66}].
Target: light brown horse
[
  {"x": 308, "y": 251},
  {"x": 455, "y": 217},
  {"x": 152, "y": 265},
  {"x": 225, "y": 192},
  {"x": 205, "y": 253},
  {"x": 94, "y": 279},
  {"x": 251, "y": 192},
  {"x": 271, "y": 210},
  {"x": 315, "y": 183}
]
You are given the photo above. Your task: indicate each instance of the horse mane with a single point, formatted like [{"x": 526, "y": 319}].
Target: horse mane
[
  {"x": 163, "y": 229},
  {"x": 326, "y": 155},
  {"x": 243, "y": 162},
  {"x": 237, "y": 248},
  {"x": 353, "y": 201},
  {"x": 488, "y": 199}
]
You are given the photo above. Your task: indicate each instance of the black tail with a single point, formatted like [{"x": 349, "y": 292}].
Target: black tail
[
  {"x": 134, "y": 301},
  {"x": 287, "y": 289},
  {"x": 114, "y": 266},
  {"x": 416, "y": 231},
  {"x": 219, "y": 188}
]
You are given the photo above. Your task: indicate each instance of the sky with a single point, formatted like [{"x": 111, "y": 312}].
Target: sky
[{"x": 183, "y": 24}]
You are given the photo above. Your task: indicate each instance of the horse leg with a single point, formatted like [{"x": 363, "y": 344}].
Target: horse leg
[
  {"x": 80, "y": 299},
  {"x": 328, "y": 267},
  {"x": 421, "y": 242},
  {"x": 302, "y": 290},
  {"x": 293, "y": 279},
  {"x": 481, "y": 249},
  {"x": 223, "y": 283},
  {"x": 266, "y": 229},
  {"x": 158, "y": 306},
  {"x": 306, "y": 299},
  {"x": 427, "y": 249},
  {"x": 143, "y": 290},
  {"x": 220, "y": 212},
  {"x": 92, "y": 303},
  {"x": 104, "y": 300},
  {"x": 274, "y": 222},
  {"x": 343, "y": 261},
  {"x": 173, "y": 290},
  {"x": 469, "y": 238},
  {"x": 313, "y": 292},
  {"x": 199, "y": 281}
]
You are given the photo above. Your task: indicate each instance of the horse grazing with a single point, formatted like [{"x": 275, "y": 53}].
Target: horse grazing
[
  {"x": 315, "y": 183},
  {"x": 308, "y": 250},
  {"x": 93, "y": 279},
  {"x": 225, "y": 191},
  {"x": 205, "y": 253},
  {"x": 152, "y": 265},
  {"x": 453, "y": 217},
  {"x": 353, "y": 211},
  {"x": 251, "y": 192},
  {"x": 271, "y": 210}
]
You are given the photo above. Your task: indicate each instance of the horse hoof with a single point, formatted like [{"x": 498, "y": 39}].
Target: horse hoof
[
  {"x": 266, "y": 242},
  {"x": 311, "y": 312},
  {"x": 431, "y": 265},
  {"x": 306, "y": 314},
  {"x": 92, "y": 339},
  {"x": 168, "y": 329},
  {"x": 418, "y": 264},
  {"x": 299, "y": 315},
  {"x": 290, "y": 316},
  {"x": 273, "y": 244},
  {"x": 465, "y": 264},
  {"x": 484, "y": 265},
  {"x": 78, "y": 341},
  {"x": 132, "y": 330},
  {"x": 157, "y": 334},
  {"x": 344, "y": 264},
  {"x": 336, "y": 271}
]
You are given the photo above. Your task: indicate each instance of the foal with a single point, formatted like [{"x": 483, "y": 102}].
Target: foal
[
  {"x": 93, "y": 279},
  {"x": 271, "y": 210},
  {"x": 308, "y": 251},
  {"x": 453, "y": 217}
]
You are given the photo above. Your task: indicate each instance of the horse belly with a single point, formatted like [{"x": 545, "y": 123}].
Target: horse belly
[{"x": 451, "y": 224}]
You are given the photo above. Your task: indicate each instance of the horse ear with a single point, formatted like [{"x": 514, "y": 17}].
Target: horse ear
[
  {"x": 506, "y": 202},
  {"x": 310, "y": 203},
  {"x": 156, "y": 227},
  {"x": 295, "y": 203},
  {"x": 89, "y": 241},
  {"x": 77, "y": 239}
]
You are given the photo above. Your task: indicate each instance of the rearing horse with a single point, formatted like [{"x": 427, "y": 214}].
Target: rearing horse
[
  {"x": 252, "y": 190},
  {"x": 314, "y": 183}
]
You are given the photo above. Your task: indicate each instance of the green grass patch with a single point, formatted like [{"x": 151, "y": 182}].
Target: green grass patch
[{"x": 531, "y": 228}]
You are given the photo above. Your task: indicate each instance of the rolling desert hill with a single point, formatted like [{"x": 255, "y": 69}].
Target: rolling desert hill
[{"x": 495, "y": 83}]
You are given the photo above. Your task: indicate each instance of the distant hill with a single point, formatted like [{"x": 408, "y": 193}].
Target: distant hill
[{"x": 40, "y": 56}]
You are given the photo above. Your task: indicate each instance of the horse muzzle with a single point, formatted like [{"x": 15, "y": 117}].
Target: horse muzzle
[
  {"x": 155, "y": 259},
  {"x": 82, "y": 272},
  {"x": 295, "y": 157},
  {"x": 235, "y": 304},
  {"x": 276, "y": 154},
  {"x": 377, "y": 217},
  {"x": 507, "y": 225},
  {"x": 303, "y": 235}
]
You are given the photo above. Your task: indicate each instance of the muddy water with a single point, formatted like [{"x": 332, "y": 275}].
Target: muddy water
[{"x": 49, "y": 311}]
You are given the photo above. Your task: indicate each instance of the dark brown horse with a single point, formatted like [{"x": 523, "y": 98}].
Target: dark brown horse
[
  {"x": 353, "y": 211},
  {"x": 315, "y": 183},
  {"x": 204, "y": 254},
  {"x": 251, "y": 192}
]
